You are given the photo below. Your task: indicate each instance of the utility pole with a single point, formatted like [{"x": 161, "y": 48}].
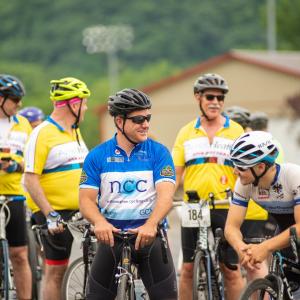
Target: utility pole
[
  {"x": 109, "y": 39},
  {"x": 271, "y": 25}
]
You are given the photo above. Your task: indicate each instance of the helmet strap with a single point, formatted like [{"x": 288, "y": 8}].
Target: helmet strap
[
  {"x": 77, "y": 118},
  {"x": 123, "y": 131},
  {"x": 258, "y": 177},
  {"x": 203, "y": 113}
]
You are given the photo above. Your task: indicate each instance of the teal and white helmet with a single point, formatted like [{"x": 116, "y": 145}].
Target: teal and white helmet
[{"x": 252, "y": 148}]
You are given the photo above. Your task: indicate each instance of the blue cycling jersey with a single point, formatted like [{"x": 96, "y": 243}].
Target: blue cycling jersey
[{"x": 126, "y": 184}]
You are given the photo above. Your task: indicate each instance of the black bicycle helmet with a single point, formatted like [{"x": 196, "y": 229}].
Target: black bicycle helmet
[
  {"x": 259, "y": 121},
  {"x": 127, "y": 101},
  {"x": 239, "y": 114},
  {"x": 11, "y": 87},
  {"x": 210, "y": 81}
]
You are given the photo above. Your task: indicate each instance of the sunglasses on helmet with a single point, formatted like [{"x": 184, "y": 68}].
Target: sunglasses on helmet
[
  {"x": 211, "y": 97},
  {"x": 139, "y": 119}
]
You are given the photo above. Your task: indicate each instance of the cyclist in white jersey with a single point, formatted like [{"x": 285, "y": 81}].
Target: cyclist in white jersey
[{"x": 276, "y": 187}]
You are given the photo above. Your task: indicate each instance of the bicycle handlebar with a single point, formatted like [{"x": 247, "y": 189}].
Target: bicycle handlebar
[{"x": 194, "y": 198}]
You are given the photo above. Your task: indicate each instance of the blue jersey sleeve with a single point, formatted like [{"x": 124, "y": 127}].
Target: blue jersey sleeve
[
  {"x": 90, "y": 175},
  {"x": 163, "y": 169}
]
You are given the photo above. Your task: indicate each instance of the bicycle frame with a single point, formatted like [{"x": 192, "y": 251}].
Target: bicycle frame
[
  {"x": 210, "y": 247},
  {"x": 277, "y": 275},
  {"x": 125, "y": 263},
  {"x": 207, "y": 244},
  {"x": 4, "y": 244}
]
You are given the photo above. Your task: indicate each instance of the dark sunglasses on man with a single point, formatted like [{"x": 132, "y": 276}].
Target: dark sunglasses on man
[
  {"x": 242, "y": 169},
  {"x": 211, "y": 97},
  {"x": 15, "y": 99},
  {"x": 139, "y": 119}
]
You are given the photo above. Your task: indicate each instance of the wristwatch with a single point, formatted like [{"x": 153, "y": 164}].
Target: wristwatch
[{"x": 52, "y": 214}]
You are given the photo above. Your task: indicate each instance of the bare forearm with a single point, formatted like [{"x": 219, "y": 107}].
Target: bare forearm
[
  {"x": 33, "y": 186},
  {"x": 233, "y": 236},
  {"x": 90, "y": 210},
  {"x": 281, "y": 240},
  {"x": 161, "y": 209}
]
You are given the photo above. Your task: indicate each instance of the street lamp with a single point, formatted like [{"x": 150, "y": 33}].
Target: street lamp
[{"x": 108, "y": 39}]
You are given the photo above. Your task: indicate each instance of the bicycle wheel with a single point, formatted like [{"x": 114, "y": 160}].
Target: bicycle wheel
[
  {"x": 4, "y": 265},
  {"x": 200, "y": 278},
  {"x": 35, "y": 262},
  {"x": 73, "y": 281},
  {"x": 258, "y": 289},
  {"x": 125, "y": 290}
]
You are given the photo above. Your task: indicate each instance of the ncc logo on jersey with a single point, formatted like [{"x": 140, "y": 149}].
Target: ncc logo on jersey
[{"x": 128, "y": 186}]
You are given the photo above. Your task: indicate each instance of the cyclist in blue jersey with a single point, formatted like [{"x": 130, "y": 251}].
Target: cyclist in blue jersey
[{"x": 134, "y": 179}]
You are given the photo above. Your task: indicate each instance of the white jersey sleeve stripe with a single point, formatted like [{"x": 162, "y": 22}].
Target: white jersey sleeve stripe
[{"x": 30, "y": 148}]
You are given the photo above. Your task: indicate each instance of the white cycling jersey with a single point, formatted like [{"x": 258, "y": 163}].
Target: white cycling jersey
[{"x": 280, "y": 198}]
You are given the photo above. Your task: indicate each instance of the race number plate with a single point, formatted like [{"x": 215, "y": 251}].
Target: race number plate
[{"x": 194, "y": 215}]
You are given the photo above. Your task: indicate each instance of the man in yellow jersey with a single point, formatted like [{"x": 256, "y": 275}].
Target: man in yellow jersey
[
  {"x": 14, "y": 132},
  {"x": 53, "y": 161},
  {"x": 201, "y": 153}
]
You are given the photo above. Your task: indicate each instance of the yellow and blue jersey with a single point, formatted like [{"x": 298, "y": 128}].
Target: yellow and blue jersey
[
  {"x": 57, "y": 157},
  {"x": 12, "y": 144},
  {"x": 207, "y": 165}
]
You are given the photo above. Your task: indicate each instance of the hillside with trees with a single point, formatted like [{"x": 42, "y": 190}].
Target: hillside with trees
[{"x": 42, "y": 40}]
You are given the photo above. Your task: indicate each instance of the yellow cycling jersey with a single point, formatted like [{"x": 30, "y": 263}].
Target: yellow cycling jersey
[
  {"x": 207, "y": 166},
  {"x": 13, "y": 137},
  {"x": 57, "y": 157}
]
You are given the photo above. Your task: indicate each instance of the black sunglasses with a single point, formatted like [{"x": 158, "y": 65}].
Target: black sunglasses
[
  {"x": 139, "y": 119},
  {"x": 241, "y": 169},
  {"x": 211, "y": 97},
  {"x": 15, "y": 99}
]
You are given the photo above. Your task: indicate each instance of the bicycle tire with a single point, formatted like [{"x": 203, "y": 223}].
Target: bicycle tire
[
  {"x": 4, "y": 270},
  {"x": 262, "y": 286},
  {"x": 200, "y": 282},
  {"x": 125, "y": 291},
  {"x": 73, "y": 281},
  {"x": 34, "y": 262}
]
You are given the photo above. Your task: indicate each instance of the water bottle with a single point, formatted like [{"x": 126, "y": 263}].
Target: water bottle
[
  {"x": 139, "y": 289},
  {"x": 12, "y": 295}
]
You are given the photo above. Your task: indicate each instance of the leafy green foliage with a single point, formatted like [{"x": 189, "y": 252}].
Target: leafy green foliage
[
  {"x": 42, "y": 40},
  {"x": 288, "y": 24}
]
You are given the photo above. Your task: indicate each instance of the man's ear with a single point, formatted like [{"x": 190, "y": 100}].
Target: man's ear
[
  {"x": 119, "y": 120},
  {"x": 261, "y": 166}
]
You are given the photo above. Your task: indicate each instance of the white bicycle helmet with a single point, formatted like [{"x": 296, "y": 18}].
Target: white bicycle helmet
[{"x": 252, "y": 148}]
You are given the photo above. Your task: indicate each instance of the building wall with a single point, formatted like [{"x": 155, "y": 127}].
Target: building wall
[{"x": 253, "y": 87}]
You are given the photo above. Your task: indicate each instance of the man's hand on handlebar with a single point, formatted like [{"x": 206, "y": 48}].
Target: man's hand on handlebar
[
  {"x": 104, "y": 232},
  {"x": 145, "y": 235}
]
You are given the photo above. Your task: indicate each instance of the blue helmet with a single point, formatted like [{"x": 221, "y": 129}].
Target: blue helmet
[
  {"x": 32, "y": 113},
  {"x": 11, "y": 87}
]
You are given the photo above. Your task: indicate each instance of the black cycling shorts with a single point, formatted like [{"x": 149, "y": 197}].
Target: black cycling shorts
[
  {"x": 158, "y": 275},
  {"x": 64, "y": 240},
  {"x": 16, "y": 232},
  {"x": 218, "y": 219}
]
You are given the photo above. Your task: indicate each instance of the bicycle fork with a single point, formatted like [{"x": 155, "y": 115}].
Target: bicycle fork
[{"x": 124, "y": 269}]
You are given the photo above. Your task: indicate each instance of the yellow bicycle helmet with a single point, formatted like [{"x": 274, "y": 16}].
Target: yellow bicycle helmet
[{"x": 68, "y": 88}]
